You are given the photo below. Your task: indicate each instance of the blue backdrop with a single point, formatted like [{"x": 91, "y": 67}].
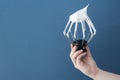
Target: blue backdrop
[{"x": 32, "y": 45}]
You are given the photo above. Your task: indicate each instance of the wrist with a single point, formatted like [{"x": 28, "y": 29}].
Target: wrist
[
  {"x": 95, "y": 73},
  {"x": 98, "y": 72}
]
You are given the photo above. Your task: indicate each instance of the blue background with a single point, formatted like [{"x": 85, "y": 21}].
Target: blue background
[{"x": 32, "y": 45}]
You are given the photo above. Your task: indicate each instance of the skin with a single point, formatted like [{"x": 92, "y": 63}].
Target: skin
[{"x": 84, "y": 62}]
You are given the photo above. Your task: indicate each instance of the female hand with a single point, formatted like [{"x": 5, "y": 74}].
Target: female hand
[{"x": 83, "y": 61}]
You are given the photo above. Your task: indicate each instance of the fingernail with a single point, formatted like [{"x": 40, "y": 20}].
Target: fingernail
[{"x": 81, "y": 50}]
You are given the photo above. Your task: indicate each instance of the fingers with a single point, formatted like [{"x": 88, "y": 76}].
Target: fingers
[
  {"x": 74, "y": 48},
  {"x": 79, "y": 61},
  {"x": 75, "y": 55}
]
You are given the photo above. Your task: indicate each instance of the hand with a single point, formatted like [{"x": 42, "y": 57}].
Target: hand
[{"x": 83, "y": 61}]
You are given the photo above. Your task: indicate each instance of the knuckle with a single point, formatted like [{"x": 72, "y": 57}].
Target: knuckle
[
  {"x": 70, "y": 56},
  {"x": 75, "y": 66}
]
